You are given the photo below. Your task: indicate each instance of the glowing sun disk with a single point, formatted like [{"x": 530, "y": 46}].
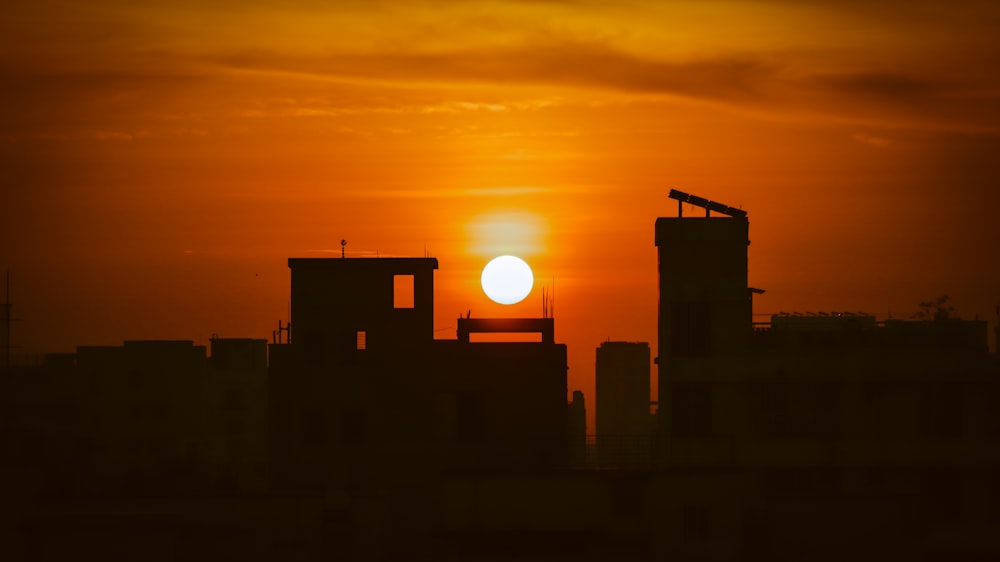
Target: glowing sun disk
[{"x": 507, "y": 279}]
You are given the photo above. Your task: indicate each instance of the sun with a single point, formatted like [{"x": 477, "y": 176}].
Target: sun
[{"x": 507, "y": 279}]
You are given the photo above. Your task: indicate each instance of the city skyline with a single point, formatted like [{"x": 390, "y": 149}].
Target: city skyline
[
  {"x": 163, "y": 162},
  {"x": 365, "y": 437}
]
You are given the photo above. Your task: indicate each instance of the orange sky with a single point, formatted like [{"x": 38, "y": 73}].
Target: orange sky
[{"x": 161, "y": 160}]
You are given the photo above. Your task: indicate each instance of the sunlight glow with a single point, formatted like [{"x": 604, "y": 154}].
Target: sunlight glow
[{"x": 518, "y": 233}]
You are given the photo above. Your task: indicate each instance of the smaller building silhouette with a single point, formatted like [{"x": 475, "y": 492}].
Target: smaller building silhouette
[
  {"x": 577, "y": 423},
  {"x": 623, "y": 421},
  {"x": 150, "y": 418}
]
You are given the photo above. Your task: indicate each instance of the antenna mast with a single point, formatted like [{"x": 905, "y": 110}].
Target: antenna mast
[{"x": 552, "y": 299}]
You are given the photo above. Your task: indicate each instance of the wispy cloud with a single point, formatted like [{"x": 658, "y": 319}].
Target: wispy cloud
[
  {"x": 772, "y": 83},
  {"x": 447, "y": 193},
  {"x": 892, "y": 64},
  {"x": 872, "y": 140},
  {"x": 334, "y": 107},
  {"x": 566, "y": 63}
]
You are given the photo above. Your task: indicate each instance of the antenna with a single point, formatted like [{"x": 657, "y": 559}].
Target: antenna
[
  {"x": 287, "y": 328},
  {"x": 343, "y": 246},
  {"x": 552, "y": 299}
]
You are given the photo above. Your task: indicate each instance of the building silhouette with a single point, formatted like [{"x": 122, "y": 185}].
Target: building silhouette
[
  {"x": 577, "y": 424},
  {"x": 143, "y": 419},
  {"x": 832, "y": 435},
  {"x": 363, "y": 385},
  {"x": 624, "y": 425}
]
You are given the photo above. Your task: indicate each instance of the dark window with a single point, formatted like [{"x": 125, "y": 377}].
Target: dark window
[{"x": 690, "y": 329}]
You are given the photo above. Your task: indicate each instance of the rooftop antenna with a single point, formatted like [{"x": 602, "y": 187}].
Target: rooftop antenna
[
  {"x": 287, "y": 329},
  {"x": 343, "y": 246},
  {"x": 552, "y": 299}
]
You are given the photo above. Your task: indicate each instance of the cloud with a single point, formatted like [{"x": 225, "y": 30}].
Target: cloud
[
  {"x": 896, "y": 86},
  {"x": 914, "y": 99},
  {"x": 770, "y": 84},
  {"x": 871, "y": 140},
  {"x": 115, "y": 66},
  {"x": 414, "y": 104},
  {"x": 446, "y": 193},
  {"x": 80, "y": 100},
  {"x": 592, "y": 65}
]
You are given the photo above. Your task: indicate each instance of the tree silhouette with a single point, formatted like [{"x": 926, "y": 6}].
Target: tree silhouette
[{"x": 937, "y": 310}]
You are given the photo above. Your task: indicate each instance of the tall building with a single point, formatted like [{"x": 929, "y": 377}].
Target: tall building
[{"x": 705, "y": 302}]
